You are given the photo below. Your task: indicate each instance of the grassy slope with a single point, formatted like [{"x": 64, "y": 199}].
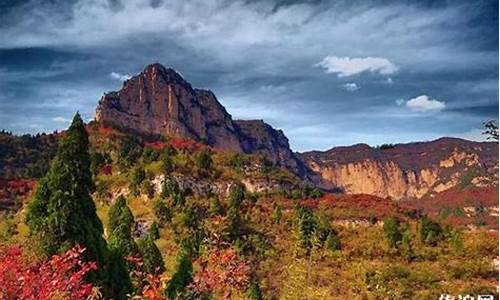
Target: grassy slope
[{"x": 365, "y": 267}]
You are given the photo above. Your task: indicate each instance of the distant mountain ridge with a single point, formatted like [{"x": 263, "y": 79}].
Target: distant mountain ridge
[
  {"x": 159, "y": 101},
  {"x": 410, "y": 170}
]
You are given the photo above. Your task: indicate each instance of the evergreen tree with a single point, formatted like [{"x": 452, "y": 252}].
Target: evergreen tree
[
  {"x": 170, "y": 188},
  {"x": 179, "y": 199},
  {"x": 119, "y": 279},
  {"x": 121, "y": 244},
  {"x": 63, "y": 214},
  {"x": 332, "y": 241},
  {"x": 406, "y": 248},
  {"x": 167, "y": 164},
  {"x": 137, "y": 177},
  {"x": 181, "y": 278},
  {"x": 277, "y": 214},
  {"x": 162, "y": 211},
  {"x": 120, "y": 223},
  {"x": 430, "y": 232},
  {"x": 154, "y": 231},
  {"x": 306, "y": 227},
  {"x": 151, "y": 256},
  {"x": 236, "y": 196},
  {"x": 392, "y": 231},
  {"x": 254, "y": 292},
  {"x": 120, "y": 214},
  {"x": 204, "y": 160},
  {"x": 215, "y": 206},
  {"x": 148, "y": 188}
]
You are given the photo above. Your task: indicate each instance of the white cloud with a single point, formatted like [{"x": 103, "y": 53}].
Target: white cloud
[
  {"x": 273, "y": 88},
  {"x": 390, "y": 81},
  {"x": 351, "y": 86},
  {"x": 120, "y": 77},
  {"x": 347, "y": 66},
  {"x": 60, "y": 119},
  {"x": 423, "y": 103},
  {"x": 400, "y": 102}
]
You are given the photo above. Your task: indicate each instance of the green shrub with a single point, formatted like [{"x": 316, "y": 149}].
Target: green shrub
[
  {"x": 162, "y": 212},
  {"x": 154, "y": 231},
  {"x": 392, "y": 231},
  {"x": 151, "y": 256},
  {"x": 215, "y": 206},
  {"x": 182, "y": 277},
  {"x": 254, "y": 292},
  {"x": 203, "y": 160},
  {"x": 430, "y": 232}
]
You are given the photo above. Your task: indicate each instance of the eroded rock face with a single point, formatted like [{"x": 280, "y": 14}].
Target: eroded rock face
[
  {"x": 407, "y": 170},
  {"x": 159, "y": 101},
  {"x": 260, "y": 138}
]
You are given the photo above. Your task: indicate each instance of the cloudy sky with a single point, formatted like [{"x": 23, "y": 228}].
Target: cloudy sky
[{"x": 326, "y": 72}]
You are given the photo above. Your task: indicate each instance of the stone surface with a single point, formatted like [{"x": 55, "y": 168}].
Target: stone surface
[
  {"x": 159, "y": 101},
  {"x": 407, "y": 170}
]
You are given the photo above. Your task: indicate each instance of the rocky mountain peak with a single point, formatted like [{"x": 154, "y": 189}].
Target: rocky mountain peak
[
  {"x": 160, "y": 73},
  {"x": 159, "y": 101}
]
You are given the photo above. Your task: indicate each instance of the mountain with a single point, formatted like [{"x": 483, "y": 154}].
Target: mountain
[
  {"x": 409, "y": 170},
  {"x": 159, "y": 101}
]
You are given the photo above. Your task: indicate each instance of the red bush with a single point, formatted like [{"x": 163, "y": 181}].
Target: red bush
[
  {"x": 62, "y": 275},
  {"x": 188, "y": 144},
  {"x": 224, "y": 270},
  {"x": 147, "y": 286}
]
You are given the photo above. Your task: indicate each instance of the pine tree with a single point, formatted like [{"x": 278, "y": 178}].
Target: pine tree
[
  {"x": 254, "y": 292},
  {"x": 406, "y": 249},
  {"x": 392, "y": 231},
  {"x": 204, "y": 160},
  {"x": 216, "y": 207},
  {"x": 170, "y": 188},
  {"x": 63, "y": 214},
  {"x": 430, "y": 232},
  {"x": 120, "y": 223},
  {"x": 120, "y": 214},
  {"x": 306, "y": 227},
  {"x": 137, "y": 177},
  {"x": 162, "y": 211},
  {"x": 181, "y": 278},
  {"x": 236, "y": 196},
  {"x": 332, "y": 241},
  {"x": 151, "y": 256},
  {"x": 119, "y": 283},
  {"x": 154, "y": 231},
  {"x": 277, "y": 214}
]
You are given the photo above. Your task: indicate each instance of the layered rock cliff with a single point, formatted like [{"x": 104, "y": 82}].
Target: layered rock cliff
[
  {"x": 159, "y": 101},
  {"x": 257, "y": 137},
  {"x": 407, "y": 170}
]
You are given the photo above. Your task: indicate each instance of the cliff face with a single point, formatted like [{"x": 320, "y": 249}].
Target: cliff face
[
  {"x": 407, "y": 170},
  {"x": 260, "y": 138},
  {"x": 159, "y": 101}
]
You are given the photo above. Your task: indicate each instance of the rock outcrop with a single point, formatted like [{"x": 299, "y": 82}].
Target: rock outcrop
[
  {"x": 159, "y": 101},
  {"x": 407, "y": 170},
  {"x": 258, "y": 137}
]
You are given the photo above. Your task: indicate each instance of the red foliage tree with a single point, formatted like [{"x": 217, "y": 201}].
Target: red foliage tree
[
  {"x": 224, "y": 270},
  {"x": 62, "y": 275},
  {"x": 147, "y": 286}
]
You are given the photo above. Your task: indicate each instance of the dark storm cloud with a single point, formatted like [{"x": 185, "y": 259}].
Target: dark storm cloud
[{"x": 288, "y": 62}]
